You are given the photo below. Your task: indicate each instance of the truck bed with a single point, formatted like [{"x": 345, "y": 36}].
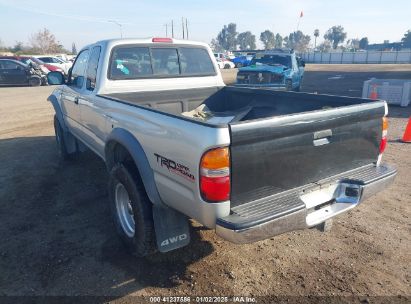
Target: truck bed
[
  {"x": 257, "y": 102},
  {"x": 280, "y": 140}
]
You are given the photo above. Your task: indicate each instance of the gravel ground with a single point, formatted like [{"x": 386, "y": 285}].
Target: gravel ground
[{"x": 57, "y": 237}]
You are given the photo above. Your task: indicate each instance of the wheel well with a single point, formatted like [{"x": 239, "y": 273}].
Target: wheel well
[{"x": 117, "y": 153}]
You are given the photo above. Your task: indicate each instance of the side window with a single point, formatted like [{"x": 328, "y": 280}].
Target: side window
[
  {"x": 78, "y": 71},
  {"x": 92, "y": 68},
  {"x": 10, "y": 65},
  {"x": 165, "y": 61}
]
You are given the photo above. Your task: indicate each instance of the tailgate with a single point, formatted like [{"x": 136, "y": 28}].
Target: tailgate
[{"x": 269, "y": 156}]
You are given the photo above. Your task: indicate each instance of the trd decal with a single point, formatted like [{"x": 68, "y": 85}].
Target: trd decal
[{"x": 174, "y": 167}]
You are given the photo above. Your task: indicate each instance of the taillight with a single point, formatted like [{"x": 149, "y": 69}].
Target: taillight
[
  {"x": 215, "y": 175},
  {"x": 383, "y": 143}
]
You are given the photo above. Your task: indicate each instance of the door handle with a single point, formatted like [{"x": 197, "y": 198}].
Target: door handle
[{"x": 76, "y": 100}]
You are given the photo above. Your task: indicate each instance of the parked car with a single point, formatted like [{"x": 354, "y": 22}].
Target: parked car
[
  {"x": 242, "y": 61},
  {"x": 250, "y": 163},
  {"x": 225, "y": 64},
  {"x": 221, "y": 56},
  {"x": 50, "y": 67},
  {"x": 65, "y": 66},
  {"x": 13, "y": 72},
  {"x": 220, "y": 63},
  {"x": 276, "y": 69},
  {"x": 28, "y": 60}
]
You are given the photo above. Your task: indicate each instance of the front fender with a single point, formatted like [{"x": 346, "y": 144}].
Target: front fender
[{"x": 57, "y": 109}]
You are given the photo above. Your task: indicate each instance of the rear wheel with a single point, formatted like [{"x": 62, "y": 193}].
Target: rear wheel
[
  {"x": 131, "y": 210},
  {"x": 239, "y": 65},
  {"x": 227, "y": 66},
  {"x": 34, "y": 81}
]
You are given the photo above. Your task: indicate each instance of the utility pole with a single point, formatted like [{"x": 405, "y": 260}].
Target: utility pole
[
  {"x": 182, "y": 23},
  {"x": 166, "y": 25},
  {"x": 172, "y": 28},
  {"x": 119, "y": 24},
  {"x": 186, "y": 29}
]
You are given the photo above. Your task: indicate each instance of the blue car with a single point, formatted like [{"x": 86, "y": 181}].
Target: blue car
[
  {"x": 275, "y": 69},
  {"x": 242, "y": 61}
]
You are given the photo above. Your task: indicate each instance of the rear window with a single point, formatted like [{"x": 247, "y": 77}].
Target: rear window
[{"x": 134, "y": 62}]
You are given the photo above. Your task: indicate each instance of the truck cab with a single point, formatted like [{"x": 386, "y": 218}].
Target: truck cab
[{"x": 278, "y": 69}]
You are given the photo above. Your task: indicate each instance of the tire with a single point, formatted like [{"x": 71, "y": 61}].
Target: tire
[
  {"x": 34, "y": 81},
  {"x": 239, "y": 65},
  {"x": 61, "y": 145},
  {"x": 289, "y": 85},
  {"x": 130, "y": 206},
  {"x": 227, "y": 66}
]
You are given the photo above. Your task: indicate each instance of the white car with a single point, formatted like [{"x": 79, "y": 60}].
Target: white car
[
  {"x": 225, "y": 64},
  {"x": 65, "y": 66}
]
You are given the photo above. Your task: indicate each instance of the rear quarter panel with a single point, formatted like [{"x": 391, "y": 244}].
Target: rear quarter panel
[{"x": 171, "y": 142}]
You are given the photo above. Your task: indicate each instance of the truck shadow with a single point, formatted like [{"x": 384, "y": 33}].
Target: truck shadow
[{"x": 57, "y": 232}]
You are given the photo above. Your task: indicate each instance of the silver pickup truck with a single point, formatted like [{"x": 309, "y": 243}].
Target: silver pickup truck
[{"x": 250, "y": 163}]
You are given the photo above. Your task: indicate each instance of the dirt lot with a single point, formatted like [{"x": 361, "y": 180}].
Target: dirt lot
[{"x": 57, "y": 237}]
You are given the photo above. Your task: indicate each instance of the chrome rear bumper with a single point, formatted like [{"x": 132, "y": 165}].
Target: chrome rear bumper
[{"x": 308, "y": 206}]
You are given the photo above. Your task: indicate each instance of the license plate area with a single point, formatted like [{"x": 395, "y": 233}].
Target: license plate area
[{"x": 328, "y": 201}]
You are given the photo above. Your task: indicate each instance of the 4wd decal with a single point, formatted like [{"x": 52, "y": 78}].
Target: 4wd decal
[{"x": 175, "y": 167}]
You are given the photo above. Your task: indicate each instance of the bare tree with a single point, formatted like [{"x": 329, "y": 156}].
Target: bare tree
[{"x": 45, "y": 42}]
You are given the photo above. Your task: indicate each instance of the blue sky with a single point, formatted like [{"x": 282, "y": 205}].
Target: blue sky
[{"x": 86, "y": 21}]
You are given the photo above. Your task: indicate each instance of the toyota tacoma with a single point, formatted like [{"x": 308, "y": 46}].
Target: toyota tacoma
[{"x": 178, "y": 144}]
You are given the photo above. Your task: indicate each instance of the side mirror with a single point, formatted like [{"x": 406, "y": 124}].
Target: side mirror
[
  {"x": 303, "y": 63},
  {"x": 55, "y": 78}
]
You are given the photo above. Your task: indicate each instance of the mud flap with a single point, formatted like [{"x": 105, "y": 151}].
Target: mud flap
[{"x": 172, "y": 228}]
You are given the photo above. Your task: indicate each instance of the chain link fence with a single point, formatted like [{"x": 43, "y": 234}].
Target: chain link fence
[{"x": 358, "y": 57}]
